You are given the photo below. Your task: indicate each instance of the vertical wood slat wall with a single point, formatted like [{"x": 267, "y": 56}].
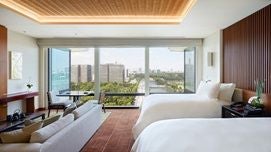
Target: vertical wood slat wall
[{"x": 247, "y": 51}]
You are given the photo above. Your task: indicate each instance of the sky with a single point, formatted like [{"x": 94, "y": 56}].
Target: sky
[{"x": 161, "y": 58}]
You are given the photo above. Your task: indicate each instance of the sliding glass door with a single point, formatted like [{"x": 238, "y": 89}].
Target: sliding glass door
[
  {"x": 59, "y": 69},
  {"x": 166, "y": 70},
  {"x": 189, "y": 70}
]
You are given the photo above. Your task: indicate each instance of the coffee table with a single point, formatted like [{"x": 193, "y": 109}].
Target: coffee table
[{"x": 8, "y": 126}]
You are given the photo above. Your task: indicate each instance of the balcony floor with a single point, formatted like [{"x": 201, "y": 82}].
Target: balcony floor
[{"x": 115, "y": 134}]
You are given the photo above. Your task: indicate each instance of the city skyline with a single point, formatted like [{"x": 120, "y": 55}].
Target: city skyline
[{"x": 132, "y": 58}]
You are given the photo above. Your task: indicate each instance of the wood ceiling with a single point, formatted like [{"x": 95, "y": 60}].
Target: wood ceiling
[{"x": 102, "y": 11}]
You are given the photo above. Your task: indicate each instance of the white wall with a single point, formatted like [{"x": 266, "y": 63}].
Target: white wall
[
  {"x": 28, "y": 46},
  {"x": 212, "y": 43}
]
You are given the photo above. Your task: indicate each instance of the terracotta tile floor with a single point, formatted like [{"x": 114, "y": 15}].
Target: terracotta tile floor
[{"x": 115, "y": 134}]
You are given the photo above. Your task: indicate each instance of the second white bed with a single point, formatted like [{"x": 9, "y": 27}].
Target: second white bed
[
  {"x": 171, "y": 106},
  {"x": 206, "y": 135}
]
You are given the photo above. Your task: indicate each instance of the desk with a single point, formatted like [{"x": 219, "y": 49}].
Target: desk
[
  {"x": 28, "y": 97},
  {"x": 75, "y": 94},
  {"x": 7, "y": 126}
]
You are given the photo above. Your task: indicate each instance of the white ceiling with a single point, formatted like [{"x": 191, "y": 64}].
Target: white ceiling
[{"x": 205, "y": 18}]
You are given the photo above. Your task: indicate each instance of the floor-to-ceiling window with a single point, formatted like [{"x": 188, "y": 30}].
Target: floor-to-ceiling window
[
  {"x": 166, "y": 70},
  {"x": 189, "y": 70},
  {"x": 122, "y": 71},
  {"x": 82, "y": 70},
  {"x": 59, "y": 69}
]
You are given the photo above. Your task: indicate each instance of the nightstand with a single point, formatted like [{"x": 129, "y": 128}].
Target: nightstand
[{"x": 229, "y": 112}]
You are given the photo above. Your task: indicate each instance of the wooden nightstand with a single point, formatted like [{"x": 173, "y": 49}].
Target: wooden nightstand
[{"x": 229, "y": 112}]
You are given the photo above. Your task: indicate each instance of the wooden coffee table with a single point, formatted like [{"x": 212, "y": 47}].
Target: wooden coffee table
[{"x": 7, "y": 126}]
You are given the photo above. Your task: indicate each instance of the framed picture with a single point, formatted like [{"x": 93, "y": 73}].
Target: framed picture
[{"x": 15, "y": 65}]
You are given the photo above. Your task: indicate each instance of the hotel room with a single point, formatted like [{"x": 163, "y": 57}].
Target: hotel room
[{"x": 135, "y": 75}]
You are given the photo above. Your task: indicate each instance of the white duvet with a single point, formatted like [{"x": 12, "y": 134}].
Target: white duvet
[
  {"x": 206, "y": 135},
  {"x": 171, "y": 106}
]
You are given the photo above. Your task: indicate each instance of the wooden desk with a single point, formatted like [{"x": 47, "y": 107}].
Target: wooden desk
[
  {"x": 28, "y": 97},
  {"x": 7, "y": 126}
]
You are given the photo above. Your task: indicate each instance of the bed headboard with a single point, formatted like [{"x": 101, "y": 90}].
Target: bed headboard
[{"x": 244, "y": 95}]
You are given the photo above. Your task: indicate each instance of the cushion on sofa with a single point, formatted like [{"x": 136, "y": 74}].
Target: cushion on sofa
[
  {"x": 69, "y": 109},
  {"x": 46, "y": 121},
  {"x": 50, "y": 120},
  {"x": 43, "y": 134},
  {"x": 83, "y": 109},
  {"x": 28, "y": 122},
  {"x": 20, "y": 135}
]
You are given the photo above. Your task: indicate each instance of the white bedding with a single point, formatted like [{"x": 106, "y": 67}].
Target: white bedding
[
  {"x": 171, "y": 106},
  {"x": 206, "y": 135}
]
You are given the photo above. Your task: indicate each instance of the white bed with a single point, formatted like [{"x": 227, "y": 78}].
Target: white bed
[
  {"x": 172, "y": 106},
  {"x": 206, "y": 135}
]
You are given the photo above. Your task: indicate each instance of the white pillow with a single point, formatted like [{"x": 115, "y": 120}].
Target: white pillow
[
  {"x": 226, "y": 91},
  {"x": 208, "y": 89},
  {"x": 45, "y": 133}
]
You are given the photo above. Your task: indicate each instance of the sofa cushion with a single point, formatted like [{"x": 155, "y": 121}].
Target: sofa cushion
[
  {"x": 50, "y": 120},
  {"x": 83, "y": 109},
  {"x": 28, "y": 122},
  {"x": 20, "y": 135},
  {"x": 43, "y": 134},
  {"x": 69, "y": 109}
]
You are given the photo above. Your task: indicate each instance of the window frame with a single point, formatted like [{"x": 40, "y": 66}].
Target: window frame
[{"x": 97, "y": 70}]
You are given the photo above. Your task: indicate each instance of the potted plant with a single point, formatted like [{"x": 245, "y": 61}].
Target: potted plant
[
  {"x": 258, "y": 101},
  {"x": 29, "y": 86}
]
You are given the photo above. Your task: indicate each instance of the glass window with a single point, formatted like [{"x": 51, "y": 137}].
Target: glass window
[
  {"x": 189, "y": 70},
  {"x": 122, "y": 71},
  {"x": 59, "y": 69},
  {"x": 166, "y": 70},
  {"x": 82, "y": 70}
]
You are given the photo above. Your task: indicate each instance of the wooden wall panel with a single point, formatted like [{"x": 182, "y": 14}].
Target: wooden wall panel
[
  {"x": 3, "y": 60},
  {"x": 247, "y": 51},
  {"x": 3, "y": 70}
]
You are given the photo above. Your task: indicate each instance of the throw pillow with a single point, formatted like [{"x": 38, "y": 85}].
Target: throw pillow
[
  {"x": 20, "y": 135},
  {"x": 50, "y": 120},
  {"x": 226, "y": 91},
  {"x": 29, "y": 122}
]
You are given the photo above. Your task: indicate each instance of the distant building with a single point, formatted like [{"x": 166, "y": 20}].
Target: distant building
[
  {"x": 116, "y": 73},
  {"x": 85, "y": 73},
  {"x": 81, "y": 73},
  {"x": 104, "y": 73},
  {"x": 112, "y": 73},
  {"x": 108, "y": 73},
  {"x": 75, "y": 73}
]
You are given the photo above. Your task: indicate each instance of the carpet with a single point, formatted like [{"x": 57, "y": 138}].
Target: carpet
[{"x": 115, "y": 134}]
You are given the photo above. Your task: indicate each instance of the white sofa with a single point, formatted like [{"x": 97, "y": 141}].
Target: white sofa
[{"x": 71, "y": 138}]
